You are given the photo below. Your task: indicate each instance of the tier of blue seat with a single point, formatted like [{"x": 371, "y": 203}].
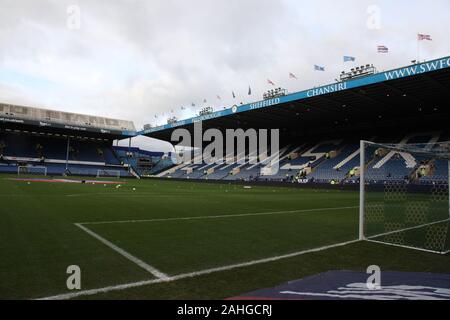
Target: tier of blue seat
[
  {"x": 324, "y": 169},
  {"x": 25, "y": 145},
  {"x": 90, "y": 155}
]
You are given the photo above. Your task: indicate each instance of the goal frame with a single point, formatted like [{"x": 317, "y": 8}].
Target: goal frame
[
  {"x": 110, "y": 173},
  {"x": 32, "y": 167},
  {"x": 362, "y": 201}
]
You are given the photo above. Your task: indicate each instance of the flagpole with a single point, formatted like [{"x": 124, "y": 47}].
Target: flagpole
[{"x": 418, "y": 49}]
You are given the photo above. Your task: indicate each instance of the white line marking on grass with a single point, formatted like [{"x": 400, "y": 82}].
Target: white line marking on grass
[
  {"x": 265, "y": 260},
  {"x": 220, "y": 216},
  {"x": 371, "y": 238},
  {"x": 406, "y": 247},
  {"x": 408, "y": 229},
  {"x": 92, "y": 292},
  {"x": 192, "y": 274},
  {"x": 125, "y": 254},
  {"x": 113, "y": 194}
]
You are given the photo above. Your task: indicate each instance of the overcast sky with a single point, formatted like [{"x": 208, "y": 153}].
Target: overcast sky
[{"x": 139, "y": 58}]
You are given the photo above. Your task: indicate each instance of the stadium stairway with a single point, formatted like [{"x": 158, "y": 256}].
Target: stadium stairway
[{"x": 337, "y": 167}]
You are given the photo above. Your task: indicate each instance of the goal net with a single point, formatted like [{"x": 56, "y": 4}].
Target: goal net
[
  {"x": 32, "y": 170},
  {"x": 404, "y": 195},
  {"x": 104, "y": 173}
]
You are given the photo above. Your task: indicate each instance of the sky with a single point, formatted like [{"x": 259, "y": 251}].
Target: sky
[{"x": 137, "y": 59}]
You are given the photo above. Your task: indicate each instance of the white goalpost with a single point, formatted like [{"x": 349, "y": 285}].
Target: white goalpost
[
  {"x": 32, "y": 170},
  {"x": 106, "y": 173},
  {"x": 404, "y": 195}
]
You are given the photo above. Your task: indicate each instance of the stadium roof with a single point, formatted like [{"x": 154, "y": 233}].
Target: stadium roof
[
  {"x": 51, "y": 121},
  {"x": 419, "y": 91}
]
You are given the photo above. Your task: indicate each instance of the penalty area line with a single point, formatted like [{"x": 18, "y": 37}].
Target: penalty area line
[
  {"x": 158, "y": 274},
  {"x": 192, "y": 274},
  {"x": 220, "y": 216}
]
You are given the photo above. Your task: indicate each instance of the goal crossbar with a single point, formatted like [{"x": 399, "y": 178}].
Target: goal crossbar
[{"x": 438, "y": 150}]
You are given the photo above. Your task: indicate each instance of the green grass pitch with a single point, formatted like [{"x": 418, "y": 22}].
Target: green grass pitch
[{"x": 180, "y": 228}]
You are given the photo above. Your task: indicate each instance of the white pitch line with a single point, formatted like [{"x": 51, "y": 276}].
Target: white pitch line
[
  {"x": 405, "y": 247},
  {"x": 408, "y": 229},
  {"x": 371, "y": 238},
  {"x": 92, "y": 292},
  {"x": 74, "y": 195},
  {"x": 125, "y": 254},
  {"x": 128, "y": 194},
  {"x": 192, "y": 274},
  {"x": 265, "y": 260},
  {"x": 219, "y": 216}
]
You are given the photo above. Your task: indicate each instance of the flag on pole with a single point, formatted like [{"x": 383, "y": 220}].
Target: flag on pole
[
  {"x": 270, "y": 82},
  {"x": 234, "y": 96},
  {"x": 292, "y": 76},
  {"x": 249, "y": 90},
  {"x": 383, "y": 49},
  {"x": 319, "y": 68},
  {"x": 422, "y": 37},
  {"x": 349, "y": 59}
]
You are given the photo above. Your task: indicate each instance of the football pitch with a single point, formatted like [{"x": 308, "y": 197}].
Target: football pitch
[{"x": 153, "y": 239}]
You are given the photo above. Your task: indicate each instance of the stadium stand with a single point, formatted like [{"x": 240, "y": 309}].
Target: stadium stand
[
  {"x": 401, "y": 106},
  {"x": 86, "y": 156},
  {"x": 319, "y": 140},
  {"x": 326, "y": 162},
  {"x": 63, "y": 143}
]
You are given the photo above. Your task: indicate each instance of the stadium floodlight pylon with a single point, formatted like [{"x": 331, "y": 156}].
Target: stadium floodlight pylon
[
  {"x": 32, "y": 170},
  {"x": 105, "y": 173},
  {"x": 404, "y": 195}
]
